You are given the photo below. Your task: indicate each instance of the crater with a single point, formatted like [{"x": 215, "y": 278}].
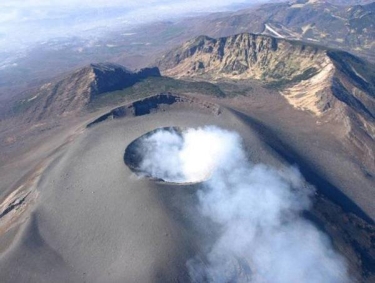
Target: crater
[{"x": 165, "y": 155}]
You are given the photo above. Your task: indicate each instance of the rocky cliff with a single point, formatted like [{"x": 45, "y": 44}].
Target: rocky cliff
[
  {"x": 348, "y": 25},
  {"x": 244, "y": 56},
  {"x": 322, "y": 81},
  {"x": 75, "y": 91}
]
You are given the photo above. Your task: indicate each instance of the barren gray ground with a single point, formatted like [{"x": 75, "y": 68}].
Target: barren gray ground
[{"x": 95, "y": 221}]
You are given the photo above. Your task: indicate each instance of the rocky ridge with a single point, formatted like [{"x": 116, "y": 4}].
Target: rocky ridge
[
  {"x": 74, "y": 92},
  {"x": 344, "y": 25},
  {"x": 325, "y": 82}
]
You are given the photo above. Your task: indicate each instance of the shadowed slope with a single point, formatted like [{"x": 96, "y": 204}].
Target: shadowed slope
[{"x": 70, "y": 95}]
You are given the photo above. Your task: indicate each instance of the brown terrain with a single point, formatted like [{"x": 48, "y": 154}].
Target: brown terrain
[
  {"x": 345, "y": 25},
  {"x": 328, "y": 83},
  {"x": 71, "y": 211}
]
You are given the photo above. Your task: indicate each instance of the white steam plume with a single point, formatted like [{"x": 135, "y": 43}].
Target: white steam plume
[{"x": 262, "y": 236}]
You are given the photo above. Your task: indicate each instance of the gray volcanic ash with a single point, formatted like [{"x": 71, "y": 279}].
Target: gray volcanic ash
[{"x": 261, "y": 235}]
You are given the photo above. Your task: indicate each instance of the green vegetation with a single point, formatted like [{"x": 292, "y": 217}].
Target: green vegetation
[
  {"x": 155, "y": 85},
  {"x": 23, "y": 105},
  {"x": 233, "y": 89},
  {"x": 19, "y": 106},
  {"x": 307, "y": 74}
]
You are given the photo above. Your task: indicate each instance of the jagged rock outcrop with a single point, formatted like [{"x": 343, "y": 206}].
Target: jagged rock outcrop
[
  {"x": 74, "y": 92},
  {"x": 348, "y": 26},
  {"x": 111, "y": 77},
  {"x": 311, "y": 78},
  {"x": 243, "y": 56}
]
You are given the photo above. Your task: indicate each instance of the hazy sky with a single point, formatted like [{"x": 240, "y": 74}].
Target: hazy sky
[{"x": 23, "y": 22}]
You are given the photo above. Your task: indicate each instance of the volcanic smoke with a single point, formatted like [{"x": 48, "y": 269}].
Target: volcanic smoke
[{"x": 257, "y": 209}]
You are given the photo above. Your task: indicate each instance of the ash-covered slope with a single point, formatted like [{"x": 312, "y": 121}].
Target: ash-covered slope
[
  {"x": 72, "y": 93},
  {"x": 329, "y": 83}
]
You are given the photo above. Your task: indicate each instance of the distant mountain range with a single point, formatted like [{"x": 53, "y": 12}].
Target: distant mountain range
[
  {"x": 311, "y": 78},
  {"x": 324, "y": 74},
  {"x": 323, "y": 81},
  {"x": 341, "y": 24},
  {"x": 350, "y": 28},
  {"x": 296, "y": 74}
]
